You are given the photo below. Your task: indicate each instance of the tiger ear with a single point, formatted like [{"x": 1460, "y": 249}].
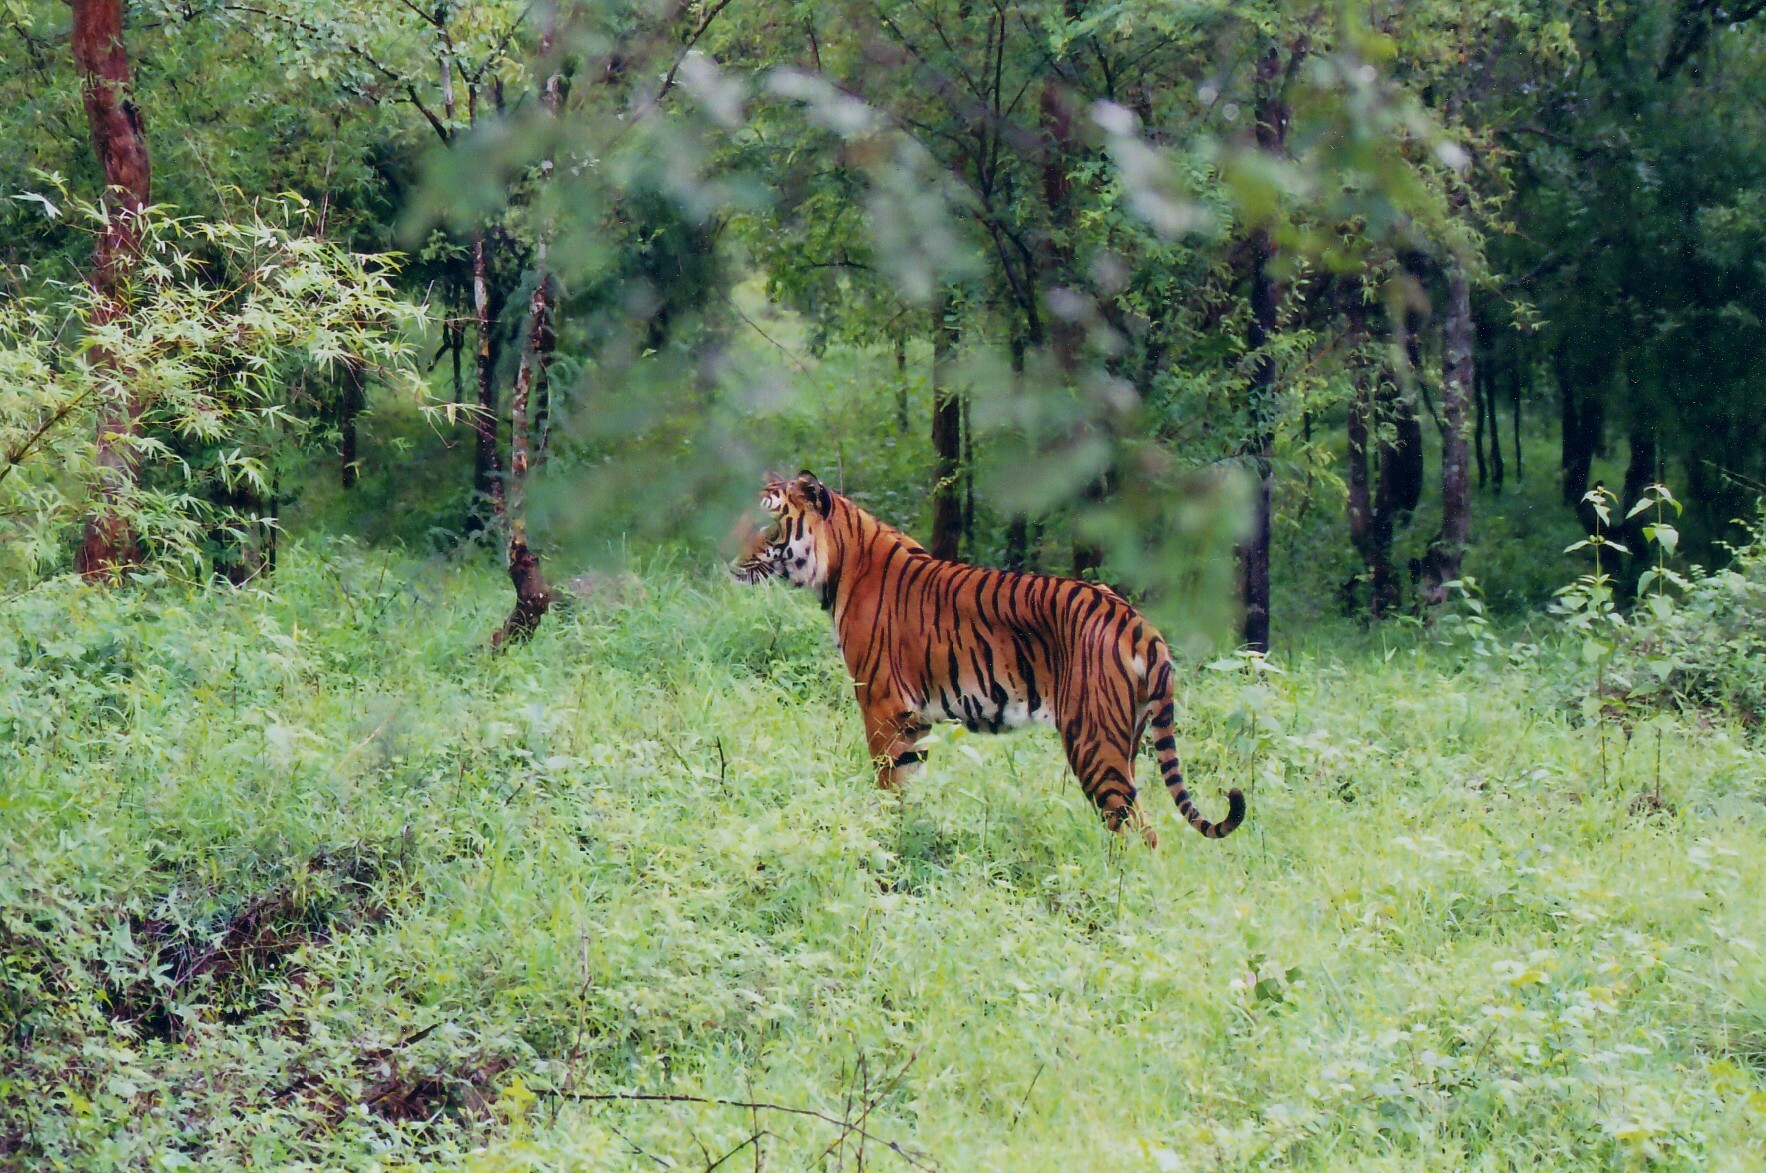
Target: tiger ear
[
  {"x": 816, "y": 492},
  {"x": 772, "y": 480}
]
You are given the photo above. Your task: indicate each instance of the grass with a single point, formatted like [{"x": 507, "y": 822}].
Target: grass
[{"x": 306, "y": 878}]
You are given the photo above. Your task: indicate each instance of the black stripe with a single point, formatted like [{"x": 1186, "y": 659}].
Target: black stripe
[{"x": 911, "y": 758}]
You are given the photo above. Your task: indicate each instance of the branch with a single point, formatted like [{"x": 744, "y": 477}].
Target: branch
[
  {"x": 390, "y": 75},
  {"x": 22, "y": 449},
  {"x": 496, "y": 51},
  {"x": 669, "y": 81},
  {"x": 753, "y": 1106}
]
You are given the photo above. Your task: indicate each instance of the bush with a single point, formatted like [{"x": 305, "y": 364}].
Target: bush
[{"x": 1709, "y": 651}]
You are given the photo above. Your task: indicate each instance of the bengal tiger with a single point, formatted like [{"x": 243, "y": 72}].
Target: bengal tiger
[{"x": 928, "y": 640}]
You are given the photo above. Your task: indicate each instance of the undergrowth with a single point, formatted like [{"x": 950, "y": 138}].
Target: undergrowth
[{"x": 304, "y": 877}]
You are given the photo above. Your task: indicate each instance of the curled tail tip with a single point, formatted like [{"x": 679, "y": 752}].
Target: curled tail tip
[{"x": 1235, "y": 814}]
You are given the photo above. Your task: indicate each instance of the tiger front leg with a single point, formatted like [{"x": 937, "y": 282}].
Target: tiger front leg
[{"x": 893, "y": 733}]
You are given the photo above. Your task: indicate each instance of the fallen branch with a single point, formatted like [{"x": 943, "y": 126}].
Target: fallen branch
[{"x": 917, "y": 1161}]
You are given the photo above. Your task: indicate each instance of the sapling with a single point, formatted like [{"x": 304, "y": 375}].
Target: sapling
[
  {"x": 1589, "y": 610},
  {"x": 1652, "y": 584}
]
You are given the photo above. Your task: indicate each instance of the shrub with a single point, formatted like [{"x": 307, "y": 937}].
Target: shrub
[{"x": 1709, "y": 651}]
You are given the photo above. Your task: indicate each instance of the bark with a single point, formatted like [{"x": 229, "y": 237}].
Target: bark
[
  {"x": 947, "y": 504},
  {"x": 109, "y": 546},
  {"x": 1446, "y": 553}
]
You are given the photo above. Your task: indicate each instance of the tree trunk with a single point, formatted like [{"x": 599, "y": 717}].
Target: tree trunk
[
  {"x": 1399, "y": 453},
  {"x": 109, "y": 546},
  {"x": 1479, "y": 431},
  {"x": 1018, "y": 527},
  {"x": 1514, "y": 403},
  {"x": 1370, "y": 532},
  {"x": 901, "y": 379},
  {"x": 1497, "y": 469},
  {"x": 1640, "y": 474},
  {"x": 1579, "y": 390},
  {"x": 947, "y": 503},
  {"x": 968, "y": 478},
  {"x": 533, "y": 598},
  {"x": 1272, "y": 132},
  {"x": 1254, "y": 551},
  {"x": 1401, "y": 466},
  {"x": 487, "y": 473},
  {"x": 1442, "y": 561},
  {"x": 349, "y": 406}
]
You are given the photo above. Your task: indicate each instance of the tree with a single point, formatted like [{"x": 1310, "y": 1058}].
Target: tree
[{"x": 110, "y": 547}]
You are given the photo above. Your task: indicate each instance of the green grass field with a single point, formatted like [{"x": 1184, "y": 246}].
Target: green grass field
[{"x": 307, "y": 878}]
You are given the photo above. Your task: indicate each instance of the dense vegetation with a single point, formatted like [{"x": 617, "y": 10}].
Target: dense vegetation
[{"x": 1402, "y": 360}]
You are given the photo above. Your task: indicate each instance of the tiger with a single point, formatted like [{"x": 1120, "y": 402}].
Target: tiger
[{"x": 928, "y": 640}]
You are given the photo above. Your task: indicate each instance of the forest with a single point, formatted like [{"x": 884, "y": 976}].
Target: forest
[{"x": 393, "y": 776}]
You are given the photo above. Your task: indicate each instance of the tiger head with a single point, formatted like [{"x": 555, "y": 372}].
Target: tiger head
[{"x": 792, "y": 547}]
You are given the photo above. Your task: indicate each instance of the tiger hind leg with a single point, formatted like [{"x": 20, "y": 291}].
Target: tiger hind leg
[{"x": 1106, "y": 775}]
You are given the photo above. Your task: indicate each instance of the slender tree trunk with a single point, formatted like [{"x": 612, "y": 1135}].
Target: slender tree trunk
[
  {"x": 1394, "y": 491},
  {"x": 1442, "y": 562},
  {"x": 109, "y": 546},
  {"x": 901, "y": 378},
  {"x": 1582, "y": 423},
  {"x": 533, "y": 598},
  {"x": 1361, "y": 514},
  {"x": 968, "y": 478},
  {"x": 487, "y": 473},
  {"x": 1403, "y": 465},
  {"x": 1515, "y": 377},
  {"x": 947, "y": 504},
  {"x": 349, "y": 406},
  {"x": 1055, "y": 262},
  {"x": 1478, "y": 432},
  {"x": 1371, "y": 539},
  {"x": 1640, "y": 474},
  {"x": 542, "y": 414},
  {"x": 1271, "y": 131},
  {"x": 1254, "y": 551},
  {"x": 1497, "y": 470},
  {"x": 1018, "y": 528},
  {"x": 457, "y": 335}
]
